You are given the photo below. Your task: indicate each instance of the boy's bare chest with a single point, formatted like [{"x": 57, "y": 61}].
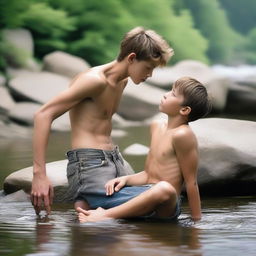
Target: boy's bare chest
[{"x": 103, "y": 105}]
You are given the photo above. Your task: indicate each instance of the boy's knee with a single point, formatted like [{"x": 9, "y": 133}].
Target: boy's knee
[{"x": 165, "y": 190}]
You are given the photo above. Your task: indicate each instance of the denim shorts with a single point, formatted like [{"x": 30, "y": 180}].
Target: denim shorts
[
  {"x": 125, "y": 194},
  {"x": 89, "y": 169}
]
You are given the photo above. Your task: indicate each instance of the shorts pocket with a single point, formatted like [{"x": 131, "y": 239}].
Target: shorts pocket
[
  {"x": 87, "y": 164},
  {"x": 71, "y": 169}
]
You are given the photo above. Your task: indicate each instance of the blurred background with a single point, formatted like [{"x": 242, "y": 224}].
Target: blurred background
[{"x": 211, "y": 31}]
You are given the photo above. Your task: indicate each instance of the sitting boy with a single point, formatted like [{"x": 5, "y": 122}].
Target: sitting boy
[{"x": 172, "y": 160}]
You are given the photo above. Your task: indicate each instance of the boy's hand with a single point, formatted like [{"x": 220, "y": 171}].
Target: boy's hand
[
  {"x": 114, "y": 185},
  {"x": 41, "y": 193}
]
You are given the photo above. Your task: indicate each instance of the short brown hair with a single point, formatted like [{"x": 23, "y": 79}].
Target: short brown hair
[
  {"x": 195, "y": 96},
  {"x": 147, "y": 45}
]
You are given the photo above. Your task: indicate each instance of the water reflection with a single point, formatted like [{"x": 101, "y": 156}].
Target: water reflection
[{"x": 228, "y": 226}]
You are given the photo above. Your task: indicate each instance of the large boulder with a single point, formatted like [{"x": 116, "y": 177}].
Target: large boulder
[
  {"x": 243, "y": 74},
  {"x": 241, "y": 99},
  {"x": 56, "y": 172},
  {"x": 64, "y": 64},
  {"x": 22, "y": 44},
  {"x": 23, "y": 112},
  {"x": 217, "y": 85},
  {"x": 39, "y": 87},
  {"x": 20, "y": 38},
  {"x": 227, "y": 156},
  {"x": 6, "y": 100}
]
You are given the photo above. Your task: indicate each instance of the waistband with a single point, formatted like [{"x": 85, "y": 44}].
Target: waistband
[{"x": 75, "y": 154}]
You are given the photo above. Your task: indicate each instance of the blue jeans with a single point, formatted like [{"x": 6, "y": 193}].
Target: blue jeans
[{"x": 89, "y": 169}]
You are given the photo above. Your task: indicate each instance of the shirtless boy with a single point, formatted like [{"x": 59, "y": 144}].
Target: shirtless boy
[
  {"x": 172, "y": 161},
  {"x": 92, "y": 99}
]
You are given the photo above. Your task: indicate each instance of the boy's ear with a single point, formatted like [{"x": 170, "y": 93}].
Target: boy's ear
[
  {"x": 185, "y": 111},
  {"x": 131, "y": 57}
]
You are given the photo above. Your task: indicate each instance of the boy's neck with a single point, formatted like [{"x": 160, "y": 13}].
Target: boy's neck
[
  {"x": 116, "y": 71},
  {"x": 174, "y": 122}
]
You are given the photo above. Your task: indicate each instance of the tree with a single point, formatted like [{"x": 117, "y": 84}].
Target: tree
[{"x": 211, "y": 20}]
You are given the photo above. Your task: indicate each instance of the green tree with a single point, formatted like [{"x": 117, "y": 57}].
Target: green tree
[
  {"x": 211, "y": 20},
  {"x": 242, "y": 14},
  {"x": 100, "y": 26},
  {"x": 178, "y": 30}
]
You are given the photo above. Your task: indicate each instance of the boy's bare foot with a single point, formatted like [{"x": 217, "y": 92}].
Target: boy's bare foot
[{"x": 92, "y": 215}]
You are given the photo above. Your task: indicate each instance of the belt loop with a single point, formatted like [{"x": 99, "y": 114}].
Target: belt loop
[
  {"x": 105, "y": 155},
  {"x": 76, "y": 159}
]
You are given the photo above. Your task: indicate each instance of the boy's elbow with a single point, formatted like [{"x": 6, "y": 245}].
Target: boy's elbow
[{"x": 41, "y": 115}]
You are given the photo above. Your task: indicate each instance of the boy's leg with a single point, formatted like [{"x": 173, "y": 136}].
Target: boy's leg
[
  {"x": 88, "y": 170},
  {"x": 161, "y": 198}
]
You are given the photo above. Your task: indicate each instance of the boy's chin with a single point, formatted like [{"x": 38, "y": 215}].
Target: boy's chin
[{"x": 136, "y": 81}]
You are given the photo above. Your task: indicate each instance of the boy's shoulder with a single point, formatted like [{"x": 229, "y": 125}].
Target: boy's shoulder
[
  {"x": 90, "y": 78},
  {"x": 184, "y": 136},
  {"x": 157, "y": 123}
]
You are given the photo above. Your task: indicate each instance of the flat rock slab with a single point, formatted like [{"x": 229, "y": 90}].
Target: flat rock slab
[{"x": 38, "y": 86}]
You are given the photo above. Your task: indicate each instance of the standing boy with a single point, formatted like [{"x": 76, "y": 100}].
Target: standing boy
[
  {"x": 92, "y": 99},
  {"x": 172, "y": 161}
]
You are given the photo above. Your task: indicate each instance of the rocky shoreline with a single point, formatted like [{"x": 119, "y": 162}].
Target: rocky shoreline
[{"x": 227, "y": 147}]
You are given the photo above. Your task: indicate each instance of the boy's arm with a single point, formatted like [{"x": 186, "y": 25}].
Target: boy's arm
[
  {"x": 116, "y": 184},
  {"x": 84, "y": 86},
  {"x": 185, "y": 145}
]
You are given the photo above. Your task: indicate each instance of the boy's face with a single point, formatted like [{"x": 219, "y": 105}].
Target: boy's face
[
  {"x": 171, "y": 103},
  {"x": 139, "y": 71}
]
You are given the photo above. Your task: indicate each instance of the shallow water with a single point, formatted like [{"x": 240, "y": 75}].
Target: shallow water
[{"x": 228, "y": 226}]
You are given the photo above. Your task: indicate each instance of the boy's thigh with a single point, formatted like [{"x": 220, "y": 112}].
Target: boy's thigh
[
  {"x": 100, "y": 199},
  {"x": 90, "y": 176}
]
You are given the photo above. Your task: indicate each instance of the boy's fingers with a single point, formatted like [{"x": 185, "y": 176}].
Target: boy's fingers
[
  {"x": 51, "y": 192},
  {"x": 37, "y": 209},
  {"x": 47, "y": 204}
]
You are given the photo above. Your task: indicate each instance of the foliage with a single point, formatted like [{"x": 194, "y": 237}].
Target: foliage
[
  {"x": 196, "y": 29},
  {"x": 242, "y": 14},
  {"x": 177, "y": 30},
  {"x": 251, "y": 47},
  {"x": 211, "y": 20}
]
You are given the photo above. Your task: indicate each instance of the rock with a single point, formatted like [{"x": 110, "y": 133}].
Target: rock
[
  {"x": 64, "y": 64},
  {"x": 241, "y": 99},
  {"x": 56, "y": 172},
  {"x": 227, "y": 156},
  {"x": 23, "y": 112},
  {"x": 136, "y": 149},
  {"x": 39, "y": 87},
  {"x": 13, "y": 131},
  {"x": 227, "y": 163},
  {"x": 20, "y": 38},
  {"x": 216, "y": 84},
  {"x": 243, "y": 74},
  {"x": 2, "y": 81},
  {"x": 6, "y": 100},
  {"x": 139, "y": 101},
  {"x": 18, "y": 196}
]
